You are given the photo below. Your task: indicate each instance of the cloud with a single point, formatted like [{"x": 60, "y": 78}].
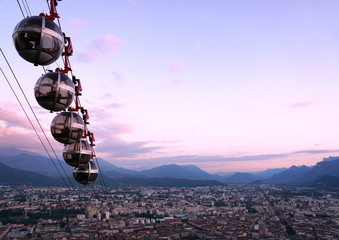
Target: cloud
[
  {"x": 109, "y": 137},
  {"x": 315, "y": 151},
  {"x": 16, "y": 137},
  {"x": 15, "y": 131},
  {"x": 219, "y": 160},
  {"x": 87, "y": 56},
  {"x": 299, "y": 104},
  {"x": 13, "y": 119},
  {"x": 116, "y": 148},
  {"x": 109, "y": 42},
  {"x": 117, "y": 79},
  {"x": 115, "y": 105},
  {"x": 108, "y": 101},
  {"x": 258, "y": 157},
  {"x": 177, "y": 82},
  {"x": 175, "y": 67},
  {"x": 99, "y": 47},
  {"x": 75, "y": 25}
]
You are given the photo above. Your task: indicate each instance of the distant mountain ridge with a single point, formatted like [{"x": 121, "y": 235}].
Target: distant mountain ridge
[
  {"x": 241, "y": 178},
  {"x": 295, "y": 174},
  {"x": 292, "y": 175},
  {"x": 176, "y": 171},
  {"x": 10, "y": 176},
  {"x": 34, "y": 163},
  {"x": 304, "y": 174}
]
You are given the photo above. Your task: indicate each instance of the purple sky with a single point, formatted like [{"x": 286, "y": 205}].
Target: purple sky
[{"x": 226, "y": 85}]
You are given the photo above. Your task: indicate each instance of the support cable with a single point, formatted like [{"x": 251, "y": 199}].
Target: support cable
[
  {"x": 101, "y": 178},
  {"x": 20, "y": 8},
  {"x": 29, "y": 10},
  {"x": 36, "y": 118},
  {"x": 27, "y": 14},
  {"x": 23, "y": 109}
]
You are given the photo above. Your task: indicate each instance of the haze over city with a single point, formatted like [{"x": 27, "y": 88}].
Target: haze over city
[{"x": 224, "y": 85}]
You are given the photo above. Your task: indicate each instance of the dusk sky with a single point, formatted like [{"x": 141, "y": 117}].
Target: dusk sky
[{"x": 226, "y": 85}]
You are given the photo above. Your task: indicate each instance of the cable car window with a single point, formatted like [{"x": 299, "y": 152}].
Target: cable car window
[
  {"x": 76, "y": 134},
  {"x": 51, "y": 25},
  {"x": 50, "y": 44},
  {"x": 62, "y": 119},
  {"x": 92, "y": 177}
]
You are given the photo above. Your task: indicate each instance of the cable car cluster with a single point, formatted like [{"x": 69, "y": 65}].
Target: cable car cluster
[{"x": 40, "y": 41}]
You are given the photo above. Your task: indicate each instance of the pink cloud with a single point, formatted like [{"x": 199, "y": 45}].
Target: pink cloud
[
  {"x": 13, "y": 119},
  {"x": 108, "y": 127},
  {"x": 75, "y": 25},
  {"x": 109, "y": 140},
  {"x": 177, "y": 82},
  {"x": 99, "y": 47},
  {"x": 107, "y": 43},
  {"x": 176, "y": 67},
  {"x": 299, "y": 104},
  {"x": 87, "y": 56},
  {"x": 16, "y": 130},
  {"x": 19, "y": 137}
]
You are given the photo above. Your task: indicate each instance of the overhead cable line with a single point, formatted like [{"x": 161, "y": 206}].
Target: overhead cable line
[
  {"x": 21, "y": 8},
  {"x": 36, "y": 118},
  {"x": 42, "y": 130},
  {"x": 29, "y": 10},
  {"x": 63, "y": 131},
  {"x": 23, "y": 3},
  {"x": 23, "y": 109}
]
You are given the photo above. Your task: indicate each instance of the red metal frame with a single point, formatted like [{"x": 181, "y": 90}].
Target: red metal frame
[
  {"x": 68, "y": 52},
  {"x": 78, "y": 89},
  {"x": 91, "y": 140},
  {"x": 84, "y": 112},
  {"x": 67, "y": 68},
  {"x": 52, "y": 13}
]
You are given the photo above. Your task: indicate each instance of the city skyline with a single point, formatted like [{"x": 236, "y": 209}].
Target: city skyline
[{"x": 226, "y": 86}]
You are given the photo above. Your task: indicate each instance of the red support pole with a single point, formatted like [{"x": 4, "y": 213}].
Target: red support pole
[
  {"x": 68, "y": 52},
  {"x": 52, "y": 13}
]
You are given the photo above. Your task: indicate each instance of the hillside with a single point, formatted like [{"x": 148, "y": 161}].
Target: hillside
[
  {"x": 11, "y": 176},
  {"x": 176, "y": 171}
]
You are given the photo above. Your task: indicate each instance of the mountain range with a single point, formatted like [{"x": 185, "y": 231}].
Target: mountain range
[
  {"x": 18, "y": 177},
  {"x": 304, "y": 174},
  {"x": 25, "y": 164}
]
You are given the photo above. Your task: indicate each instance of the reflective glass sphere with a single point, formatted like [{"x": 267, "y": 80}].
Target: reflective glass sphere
[
  {"x": 77, "y": 154},
  {"x": 54, "y": 91},
  {"x": 38, "y": 40},
  {"x": 67, "y": 127},
  {"x": 86, "y": 174}
]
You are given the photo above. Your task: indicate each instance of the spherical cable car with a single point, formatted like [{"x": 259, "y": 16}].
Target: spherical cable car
[
  {"x": 54, "y": 91},
  {"x": 86, "y": 174},
  {"x": 38, "y": 40},
  {"x": 77, "y": 154},
  {"x": 67, "y": 127}
]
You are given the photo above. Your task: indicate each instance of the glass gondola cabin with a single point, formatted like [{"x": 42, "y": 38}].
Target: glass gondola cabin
[
  {"x": 67, "y": 127},
  {"x": 54, "y": 91},
  {"x": 77, "y": 154},
  {"x": 38, "y": 40},
  {"x": 86, "y": 174}
]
